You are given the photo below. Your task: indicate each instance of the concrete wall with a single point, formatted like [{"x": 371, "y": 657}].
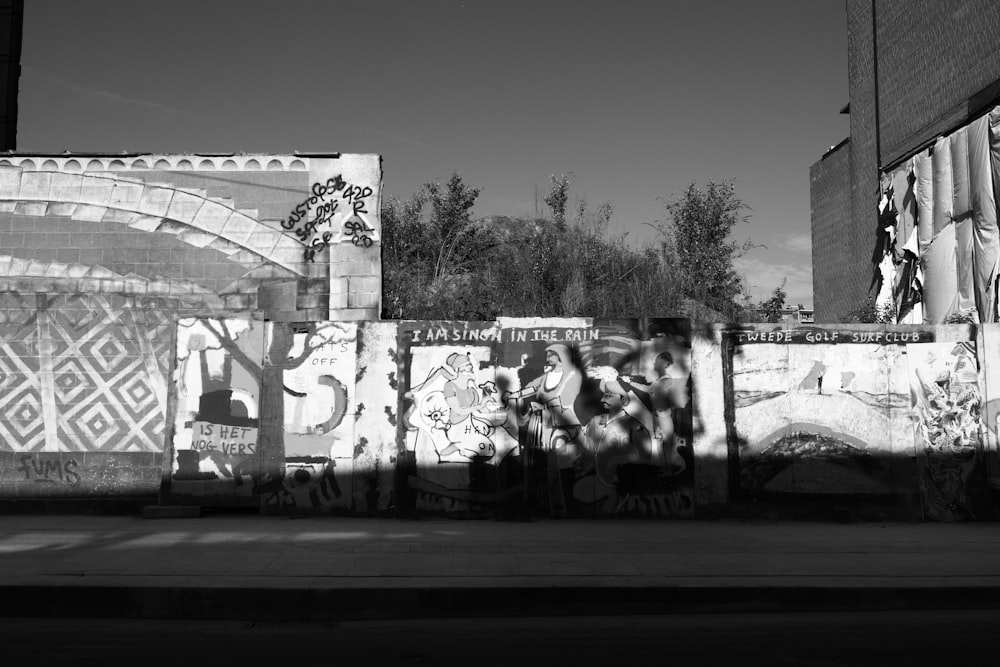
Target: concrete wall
[
  {"x": 512, "y": 418},
  {"x": 99, "y": 256},
  {"x": 884, "y": 421},
  {"x": 519, "y": 418}
]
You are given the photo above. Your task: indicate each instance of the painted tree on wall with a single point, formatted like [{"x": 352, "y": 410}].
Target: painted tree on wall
[{"x": 278, "y": 358}]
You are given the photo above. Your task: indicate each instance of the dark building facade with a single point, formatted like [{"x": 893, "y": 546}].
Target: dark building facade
[
  {"x": 917, "y": 70},
  {"x": 11, "y": 28}
]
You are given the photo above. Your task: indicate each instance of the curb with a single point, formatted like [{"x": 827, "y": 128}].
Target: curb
[{"x": 198, "y": 603}]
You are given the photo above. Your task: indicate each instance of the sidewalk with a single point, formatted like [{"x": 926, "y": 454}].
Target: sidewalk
[{"x": 338, "y": 568}]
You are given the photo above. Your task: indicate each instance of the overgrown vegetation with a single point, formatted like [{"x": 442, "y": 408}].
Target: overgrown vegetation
[
  {"x": 869, "y": 312},
  {"x": 772, "y": 308},
  {"x": 441, "y": 263}
]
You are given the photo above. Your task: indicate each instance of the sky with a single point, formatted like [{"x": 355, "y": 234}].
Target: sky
[{"x": 632, "y": 100}]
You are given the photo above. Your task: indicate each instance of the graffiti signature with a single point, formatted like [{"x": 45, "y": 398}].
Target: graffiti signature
[
  {"x": 324, "y": 203},
  {"x": 48, "y": 471}
]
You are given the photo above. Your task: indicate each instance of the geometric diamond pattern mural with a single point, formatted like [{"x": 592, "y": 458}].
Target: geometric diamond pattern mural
[
  {"x": 21, "y": 424},
  {"x": 101, "y": 363},
  {"x": 105, "y": 397}
]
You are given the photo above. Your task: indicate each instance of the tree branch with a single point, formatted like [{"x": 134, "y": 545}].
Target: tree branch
[{"x": 231, "y": 347}]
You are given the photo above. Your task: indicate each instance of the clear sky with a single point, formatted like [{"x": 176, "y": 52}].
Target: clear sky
[{"x": 634, "y": 99}]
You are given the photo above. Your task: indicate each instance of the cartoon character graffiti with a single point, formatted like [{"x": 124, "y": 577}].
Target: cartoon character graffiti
[
  {"x": 550, "y": 426},
  {"x": 623, "y": 446},
  {"x": 947, "y": 403},
  {"x": 669, "y": 399},
  {"x": 458, "y": 413},
  {"x": 552, "y": 395}
]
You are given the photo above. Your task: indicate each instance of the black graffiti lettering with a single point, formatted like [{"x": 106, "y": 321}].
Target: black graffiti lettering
[
  {"x": 52, "y": 469},
  {"x": 317, "y": 246},
  {"x": 355, "y": 192},
  {"x": 293, "y": 218},
  {"x": 72, "y": 476},
  {"x": 325, "y": 208},
  {"x": 325, "y": 212},
  {"x": 357, "y": 226},
  {"x": 48, "y": 470},
  {"x": 356, "y": 230},
  {"x": 25, "y": 465}
]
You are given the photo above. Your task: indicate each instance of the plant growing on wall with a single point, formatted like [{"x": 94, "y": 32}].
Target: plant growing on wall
[{"x": 869, "y": 312}]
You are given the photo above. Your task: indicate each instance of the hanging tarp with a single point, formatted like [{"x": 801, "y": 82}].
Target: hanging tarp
[
  {"x": 905, "y": 290},
  {"x": 910, "y": 290},
  {"x": 986, "y": 235},
  {"x": 940, "y": 270},
  {"x": 962, "y": 215},
  {"x": 885, "y": 249},
  {"x": 943, "y": 175},
  {"x": 924, "y": 195},
  {"x": 906, "y": 205}
]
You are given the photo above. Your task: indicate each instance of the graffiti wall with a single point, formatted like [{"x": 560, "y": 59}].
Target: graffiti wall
[
  {"x": 215, "y": 443},
  {"x": 523, "y": 417},
  {"x": 989, "y": 355},
  {"x": 520, "y": 418},
  {"x": 537, "y": 417},
  {"x": 84, "y": 389},
  {"x": 100, "y": 255},
  {"x": 884, "y": 415},
  {"x": 316, "y": 363}
]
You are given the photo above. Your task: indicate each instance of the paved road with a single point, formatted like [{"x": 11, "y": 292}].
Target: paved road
[
  {"x": 330, "y": 569},
  {"x": 959, "y": 637}
]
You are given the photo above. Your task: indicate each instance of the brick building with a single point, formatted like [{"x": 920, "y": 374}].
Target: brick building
[{"x": 917, "y": 70}]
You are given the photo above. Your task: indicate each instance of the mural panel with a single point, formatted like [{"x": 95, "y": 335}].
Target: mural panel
[
  {"x": 317, "y": 365},
  {"x": 856, "y": 413},
  {"x": 947, "y": 404},
  {"x": 603, "y": 416},
  {"x": 815, "y": 418},
  {"x": 991, "y": 406},
  {"x": 458, "y": 440},
  {"x": 215, "y": 446},
  {"x": 377, "y": 408},
  {"x": 81, "y": 374}
]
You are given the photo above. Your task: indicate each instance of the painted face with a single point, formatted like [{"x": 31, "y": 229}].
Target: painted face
[
  {"x": 551, "y": 360},
  {"x": 612, "y": 401}
]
